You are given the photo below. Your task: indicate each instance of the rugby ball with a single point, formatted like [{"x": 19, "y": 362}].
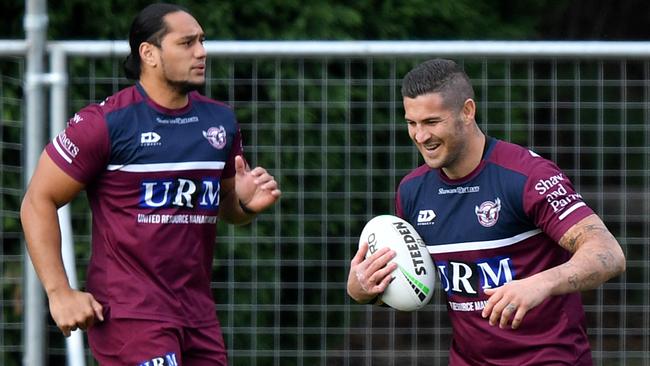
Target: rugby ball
[{"x": 414, "y": 277}]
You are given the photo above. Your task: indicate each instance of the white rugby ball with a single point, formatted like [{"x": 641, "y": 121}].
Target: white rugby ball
[{"x": 414, "y": 280}]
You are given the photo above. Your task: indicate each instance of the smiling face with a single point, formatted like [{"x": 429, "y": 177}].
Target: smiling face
[
  {"x": 181, "y": 54},
  {"x": 445, "y": 137}
]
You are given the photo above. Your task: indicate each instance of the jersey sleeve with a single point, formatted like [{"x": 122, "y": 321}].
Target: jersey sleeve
[
  {"x": 402, "y": 201},
  {"x": 82, "y": 149},
  {"x": 399, "y": 208},
  {"x": 551, "y": 201},
  {"x": 236, "y": 149},
  {"x": 403, "y": 197}
]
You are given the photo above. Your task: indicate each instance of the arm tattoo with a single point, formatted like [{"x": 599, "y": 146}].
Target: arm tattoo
[
  {"x": 598, "y": 261},
  {"x": 570, "y": 243},
  {"x": 588, "y": 281},
  {"x": 595, "y": 228},
  {"x": 581, "y": 234},
  {"x": 573, "y": 281},
  {"x": 605, "y": 258}
]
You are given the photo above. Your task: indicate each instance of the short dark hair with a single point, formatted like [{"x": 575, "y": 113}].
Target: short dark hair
[
  {"x": 148, "y": 26},
  {"x": 439, "y": 76}
]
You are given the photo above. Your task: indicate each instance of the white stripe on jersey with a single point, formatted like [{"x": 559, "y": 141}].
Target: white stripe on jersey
[
  {"x": 480, "y": 245},
  {"x": 168, "y": 167},
  {"x": 571, "y": 209},
  {"x": 60, "y": 150}
]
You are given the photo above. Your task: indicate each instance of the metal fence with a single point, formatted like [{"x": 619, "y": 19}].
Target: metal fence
[{"x": 326, "y": 119}]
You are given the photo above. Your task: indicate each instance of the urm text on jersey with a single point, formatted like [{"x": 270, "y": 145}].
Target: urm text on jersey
[{"x": 180, "y": 192}]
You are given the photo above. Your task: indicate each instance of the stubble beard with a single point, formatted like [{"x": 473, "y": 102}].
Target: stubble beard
[
  {"x": 181, "y": 87},
  {"x": 184, "y": 86},
  {"x": 455, "y": 146}
]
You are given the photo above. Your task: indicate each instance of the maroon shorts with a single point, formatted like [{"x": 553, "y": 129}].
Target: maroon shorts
[{"x": 153, "y": 343}]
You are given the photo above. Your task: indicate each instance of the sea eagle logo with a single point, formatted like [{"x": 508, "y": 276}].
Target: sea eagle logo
[
  {"x": 216, "y": 136},
  {"x": 488, "y": 212}
]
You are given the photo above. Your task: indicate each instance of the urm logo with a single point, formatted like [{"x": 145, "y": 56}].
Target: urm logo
[
  {"x": 462, "y": 278},
  {"x": 168, "y": 360},
  {"x": 180, "y": 192}
]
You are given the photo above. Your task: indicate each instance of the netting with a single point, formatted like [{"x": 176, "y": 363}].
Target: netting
[{"x": 331, "y": 130}]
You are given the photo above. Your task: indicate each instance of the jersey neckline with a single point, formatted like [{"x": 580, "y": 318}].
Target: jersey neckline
[
  {"x": 161, "y": 109},
  {"x": 487, "y": 150}
]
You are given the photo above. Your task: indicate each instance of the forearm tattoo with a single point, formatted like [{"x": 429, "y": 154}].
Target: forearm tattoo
[{"x": 598, "y": 262}]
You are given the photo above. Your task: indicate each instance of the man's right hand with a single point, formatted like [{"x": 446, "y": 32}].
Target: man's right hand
[
  {"x": 370, "y": 276},
  {"x": 72, "y": 310}
]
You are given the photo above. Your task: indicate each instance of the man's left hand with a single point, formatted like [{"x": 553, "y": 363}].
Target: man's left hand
[
  {"x": 511, "y": 302},
  {"x": 256, "y": 189}
]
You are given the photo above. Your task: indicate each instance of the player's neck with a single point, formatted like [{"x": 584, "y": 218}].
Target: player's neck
[
  {"x": 471, "y": 157},
  {"x": 163, "y": 95}
]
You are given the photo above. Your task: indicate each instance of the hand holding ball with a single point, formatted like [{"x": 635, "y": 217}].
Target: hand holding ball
[{"x": 414, "y": 278}]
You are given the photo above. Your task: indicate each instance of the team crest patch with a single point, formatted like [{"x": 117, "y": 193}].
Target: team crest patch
[
  {"x": 216, "y": 136},
  {"x": 488, "y": 212}
]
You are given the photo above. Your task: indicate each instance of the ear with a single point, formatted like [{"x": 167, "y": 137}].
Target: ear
[
  {"x": 469, "y": 110},
  {"x": 148, "y": 54}
]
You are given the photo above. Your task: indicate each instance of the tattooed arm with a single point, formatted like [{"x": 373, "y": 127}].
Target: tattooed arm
[{"x": 597, "y": 257}]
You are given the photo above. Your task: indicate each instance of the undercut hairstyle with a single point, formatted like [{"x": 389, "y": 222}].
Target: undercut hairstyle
[
  {"x": 439, "y": 76},
  {"x": 148, "y": 26}
]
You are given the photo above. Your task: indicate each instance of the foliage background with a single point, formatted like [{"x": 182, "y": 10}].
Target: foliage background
[{"x": 359, "y": 20}]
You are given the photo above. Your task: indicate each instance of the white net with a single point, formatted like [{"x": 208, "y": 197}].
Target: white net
[{"x": 331, "y": 130}]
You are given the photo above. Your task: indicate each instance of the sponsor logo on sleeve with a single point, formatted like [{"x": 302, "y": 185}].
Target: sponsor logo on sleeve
[
  {"x": 216, "y": 136},
  {"x": 488, "y": 212},
  {"x": 65, "y": 147},
  {"x": 75, "y": 119},
  {"x": 557, "y": 195}
]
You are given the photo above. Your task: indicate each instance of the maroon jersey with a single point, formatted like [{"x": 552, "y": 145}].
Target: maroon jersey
[
  {"x": 500, "y": 223},
  {"x": 152, "y": 177}
]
